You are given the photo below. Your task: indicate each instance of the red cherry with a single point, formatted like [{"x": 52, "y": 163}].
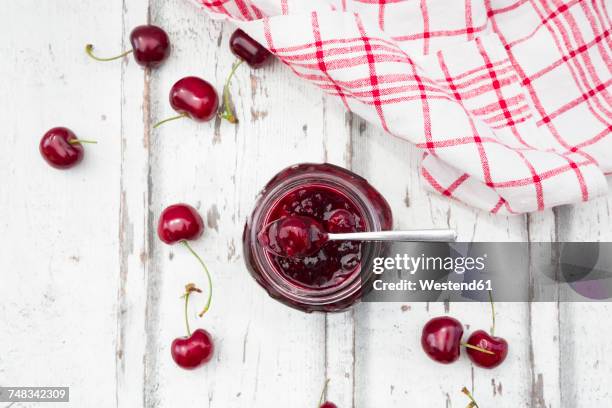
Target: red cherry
[
  {"x": 179, "y": 222},
  {"x": 193, "y": 351},
  {"x": 182, "y": 223},
  {"x": 329, "y": 405},
  {"x": 441, "y": 339},
  {"x": 248, "y": 50},
  {"x": 150, "y": 45},
  {"x": 193, "y": 97},
  {"x": 294, "y": 236},
  {"x": 497, "y": 345},
  {"x": 61, "y": 148}
]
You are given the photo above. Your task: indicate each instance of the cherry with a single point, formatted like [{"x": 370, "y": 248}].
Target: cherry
[
  {"x": 195, "y": 349},
  {"x": 247, "y": 50},
  {"x": 193, "y": 97},
  {"x": 150, "y": 45},
  {"x": 192, "y": 351},
  {"x": 293, "y": 236},
  {"x": 341, "y": 221},
  {"x": 441, "y": 339},
  {"x": 182, "y": 223},
  {"x": 325, "y": 404},
  {"x": 498, "y": 346},
  {"x": 179, "y": 222},
  {"x": 61, "y": 148}
]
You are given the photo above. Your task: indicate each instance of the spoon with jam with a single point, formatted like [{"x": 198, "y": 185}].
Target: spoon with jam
[{"x": 299, "y": 236}]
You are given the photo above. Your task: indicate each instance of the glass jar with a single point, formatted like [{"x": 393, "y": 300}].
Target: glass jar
[{"x": 333, "y": 279}]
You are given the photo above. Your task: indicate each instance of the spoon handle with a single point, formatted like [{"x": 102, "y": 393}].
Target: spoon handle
[{"x": 433, "y": 235}]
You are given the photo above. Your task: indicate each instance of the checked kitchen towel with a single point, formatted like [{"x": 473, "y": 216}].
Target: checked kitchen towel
[{"x": 509, "y": 99}]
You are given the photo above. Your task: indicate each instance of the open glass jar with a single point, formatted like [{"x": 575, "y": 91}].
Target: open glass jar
[{"x": 334, "y": 278}]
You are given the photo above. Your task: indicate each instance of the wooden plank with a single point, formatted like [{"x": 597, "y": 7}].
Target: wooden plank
[
  {"x": 59, "y": 251},
  {"x": 585, "y": 372},
  {"x": 391, "y": 368},
  {"x": 543, "y": 326},
  {"x": 262, "y": 346},
  {"x": 135, "y": 331},
  {"x": 578, "y": 379},
  {"x": 339, "y": 327}
]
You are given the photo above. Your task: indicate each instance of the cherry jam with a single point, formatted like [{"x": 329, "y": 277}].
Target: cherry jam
[
  {"x": 330, "y": 279},
  {"x": 293, "y": 236},
  {"x": 336, "y": 260}
]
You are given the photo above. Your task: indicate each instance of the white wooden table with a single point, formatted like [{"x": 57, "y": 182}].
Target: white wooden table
[{"x": 90, "y": 296}]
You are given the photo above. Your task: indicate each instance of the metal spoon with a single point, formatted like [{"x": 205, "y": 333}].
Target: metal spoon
[
  {"x": 431, "y": 235},
  {"x": 299, "y": 236}
]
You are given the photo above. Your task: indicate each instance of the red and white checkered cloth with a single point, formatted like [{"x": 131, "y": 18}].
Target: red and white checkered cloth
[{"x": 510, "y": 99}]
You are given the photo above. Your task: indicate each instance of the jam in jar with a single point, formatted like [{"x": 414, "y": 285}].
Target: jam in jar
[{"x": 331, "y": 278}]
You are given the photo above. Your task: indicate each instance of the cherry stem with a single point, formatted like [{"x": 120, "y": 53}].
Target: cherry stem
[
  {"x": 473, "y": 404},
  {"x": 228, "y": 113},
  {"x": 79, "y": 141},
  {"x": 473, "y": 347},
  {"x": 323, "y": 393},
  {"x": 207, "y": 306},
  {"x": 89, "y": 51},
  {"x": 189, "y": 288},
  {"x": 186, "y": 314},
  {"x": 181, "y": 116},
  {"x": 492, "y": 312}
]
